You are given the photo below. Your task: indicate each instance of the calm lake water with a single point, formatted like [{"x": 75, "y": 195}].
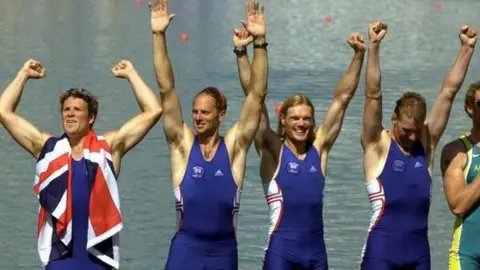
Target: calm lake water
[{"x": 79, "y": 42}]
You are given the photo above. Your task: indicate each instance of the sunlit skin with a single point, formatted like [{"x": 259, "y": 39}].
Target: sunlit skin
[
  {"x": 206, "y": 117},
  {"x": 406, "y": 131},
  {"x": 75, "y": 119},
  {"x": 298, "y": 123}
]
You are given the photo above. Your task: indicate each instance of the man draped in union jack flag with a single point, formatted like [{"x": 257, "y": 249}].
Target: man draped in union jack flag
[{"x": 79, "y": 217}]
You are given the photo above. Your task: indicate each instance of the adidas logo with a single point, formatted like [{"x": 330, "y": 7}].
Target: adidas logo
[
  {"x": 312, "y": 169},
  {"x": 218, "y": 173},
  {"x": 418, "y": 164}
]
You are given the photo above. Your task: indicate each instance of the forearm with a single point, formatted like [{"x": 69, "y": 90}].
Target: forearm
[
  {"x": 259, "y": 77},
  {"x": 373, "y": 77},
  {"x": 244, "y": 71},
  {"x": 457, "y": 74},
  {"x": 465, "y": 200},
  {"x": 348, "y": 84},
  {"x": 12, "y": 94},
  {"x": 146, "y": 99},
  {"x": 162, "y": 65}
]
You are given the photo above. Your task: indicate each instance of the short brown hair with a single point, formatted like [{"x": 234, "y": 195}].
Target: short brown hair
[
  {"x": 412, "y": 105},
  {"x": 470, "y": 95},
  {"x": 220, "y": 100},
  {"x": 291, "y": 101},
  {"x": 91, "y": 100}
]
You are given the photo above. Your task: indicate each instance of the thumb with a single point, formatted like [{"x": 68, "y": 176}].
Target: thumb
[
  {"x": 171, "y": 17},
  {"x": 244, "y": 23}
]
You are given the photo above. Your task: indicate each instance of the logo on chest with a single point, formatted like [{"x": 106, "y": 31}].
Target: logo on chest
[
  {"x": 197, "y": 172},
  {"x": 398, "y": 166},
  {"x": 293, "y": 168}
]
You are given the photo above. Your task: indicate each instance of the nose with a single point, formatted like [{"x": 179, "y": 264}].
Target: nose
[{"x": 197, "y": 116}]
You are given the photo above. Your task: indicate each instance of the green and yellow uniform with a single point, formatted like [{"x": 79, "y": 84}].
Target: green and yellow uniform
[{"x": 465, "y": 249}]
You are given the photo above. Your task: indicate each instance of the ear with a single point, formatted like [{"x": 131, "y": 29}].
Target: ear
[
  {"x": 282, "y": 119},
  {"x": 91, "y": 119},
  {"x": 394, "y": 118},
  {"x": 222, "y": 115},
  {"x": 469, "y": 110}
]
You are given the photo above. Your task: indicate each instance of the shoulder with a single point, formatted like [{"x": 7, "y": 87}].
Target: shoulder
[
  {"x": 454, "y": 150},
  {"x": 48, "y": 144}
]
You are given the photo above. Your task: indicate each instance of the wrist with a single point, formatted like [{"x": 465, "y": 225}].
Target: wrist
[
  {"x": 259, "y": 40},
  {"x": 240, "y": 51},
  {"x": 132, "y": 75},
  {"x": 158, "y": 33},
  {"x": 466, "y": 46},
  {"x": 23, "y": 75},
  {"x": 359, "y": 52},
  {"x": 373, "y": 45}
]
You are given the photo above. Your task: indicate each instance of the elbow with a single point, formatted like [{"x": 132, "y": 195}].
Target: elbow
[
  {"x": 3, "y": 115},
  {"x": 157, "y": 113},
  {"x": 345, "y": 98},
  {"x": 260, "y": 93},
  {"x": 459, "y": 211},
  {"x": 450, "y": 91}
]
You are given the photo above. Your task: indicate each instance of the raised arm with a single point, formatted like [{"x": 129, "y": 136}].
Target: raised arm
[
  {"x": 265, "y": 136},
  {"x": 328, "y": 132},
  {"x": 172, "y": 113},
  {"x": 460, "y": 197},
  {"x": 372, "y": 115},
  {"x": 442, "y": 106},
  {"x": 24, "y": 133},
  {"x": 133, "y": 131},
  {"x": 257, "y": 89}
]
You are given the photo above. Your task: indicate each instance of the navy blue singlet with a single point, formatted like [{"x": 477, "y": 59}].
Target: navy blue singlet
[
  {"x": 207, "y": 202},
  {"x": 78, "y": 258},
  {"x": 400, "y": 201},
  {"x": 295, "y": 198}
]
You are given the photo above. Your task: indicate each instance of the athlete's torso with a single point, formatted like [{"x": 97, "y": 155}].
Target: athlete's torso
[
  {"x": 208, "y": 198},
  {"x": 295, "y": 198}
]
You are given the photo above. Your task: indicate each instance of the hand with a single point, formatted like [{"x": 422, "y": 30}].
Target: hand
[
  {"x": 356, "y": 42},
  {"x": 159, "y": 17},
  {"x": 241, "y": 38},
  {"x": 34, "y": 69},
  {"x": 123, "y": 69},
  {"x": 255, "y": 23},
  {"x": 376, "y": 31},
  {"x": 468, "y": 35}
]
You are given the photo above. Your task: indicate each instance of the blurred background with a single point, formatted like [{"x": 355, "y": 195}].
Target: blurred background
[{"x": 80, "y": 41}]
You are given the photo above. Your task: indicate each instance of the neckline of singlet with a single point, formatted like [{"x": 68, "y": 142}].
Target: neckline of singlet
[
  {"x": 197, "y": 141},
  {"x": 308, "y": 148},
  {"x": 472, "y": 144},
  {"x": 416, "y": 149}
]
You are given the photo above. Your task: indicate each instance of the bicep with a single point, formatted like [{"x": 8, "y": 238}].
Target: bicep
[
  {"x": 438, "y": 117},
  {"x": 372, "y": 120},
  {"x": 452, "y": 172},
  {"x": 132, "y": 132},
  {"x": 249, "y": 118},
  {"x": 329, "y": 130},
  {"x": 172, "y": 117},
  {"x": 25, "y": 134}
]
